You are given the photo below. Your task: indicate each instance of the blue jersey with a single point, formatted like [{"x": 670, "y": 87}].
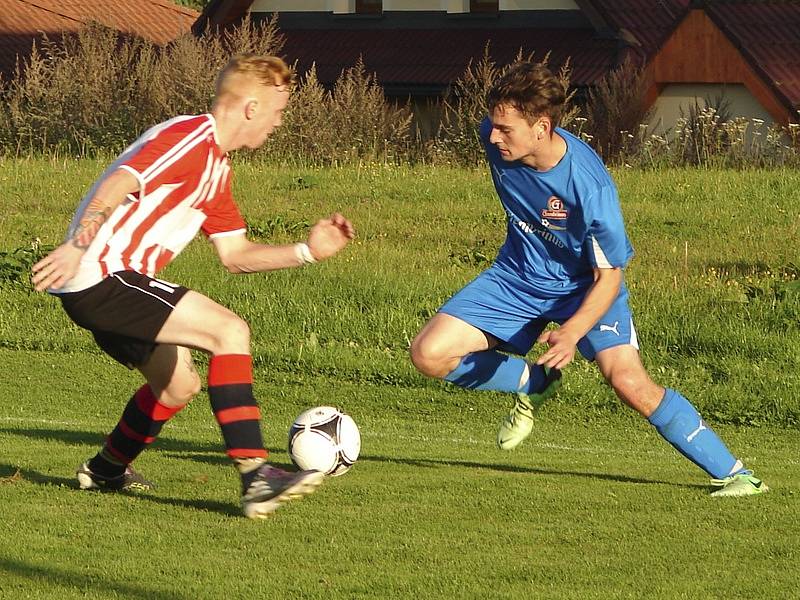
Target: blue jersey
[{"x": 562, "y": 223}]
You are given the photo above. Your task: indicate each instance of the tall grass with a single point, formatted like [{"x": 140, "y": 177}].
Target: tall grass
[
  {"x": 351, "y": 123},
  {"x": 705, "y": 137},
  {"x": 616, "y": 107},
  {"x": 99, "y": 90}
]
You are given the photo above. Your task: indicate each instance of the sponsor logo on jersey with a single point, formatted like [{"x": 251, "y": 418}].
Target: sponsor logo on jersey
[
  {"x": 549, "y": 225},
  {"x": 537, "y": 229},
  {"x": 555, "y": 210}
]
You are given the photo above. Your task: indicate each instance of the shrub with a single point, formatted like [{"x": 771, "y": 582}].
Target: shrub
[
  {"x": 705, "y": 135},
  {"x": 615, "y": 112},
  {"x": 463, "y": 108},
  {"x": 75, "y": 96},
  {"x": 98, "y": 90},
  {"x": 351, "y": 123}
]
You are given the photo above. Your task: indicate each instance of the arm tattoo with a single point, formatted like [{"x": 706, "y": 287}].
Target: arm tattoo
[{"x": 91, "y": 222}]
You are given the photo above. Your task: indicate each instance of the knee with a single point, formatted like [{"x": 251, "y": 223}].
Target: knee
[
  {"x": 180, "y": 393},
  {"x": 429, "y": 360},
  {"x": 233, "y": 337},
  {"x": 417, "y": 352},
  {"x": 636, "y": 389},
  {"x": 624, "y": 383}
]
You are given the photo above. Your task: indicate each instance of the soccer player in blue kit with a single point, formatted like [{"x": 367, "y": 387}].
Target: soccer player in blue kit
[{"x": 562, "y": 262}]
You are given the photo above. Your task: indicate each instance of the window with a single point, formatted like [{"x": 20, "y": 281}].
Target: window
[
  {"x": 369, "y": 7},
  {"x": 483, "y": 6}
]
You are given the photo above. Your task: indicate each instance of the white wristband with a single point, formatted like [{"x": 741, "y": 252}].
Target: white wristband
[{"x": 303, "y": 253}]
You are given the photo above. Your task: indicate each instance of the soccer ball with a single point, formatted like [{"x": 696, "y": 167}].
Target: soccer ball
[{"x": 324, "y": 439}]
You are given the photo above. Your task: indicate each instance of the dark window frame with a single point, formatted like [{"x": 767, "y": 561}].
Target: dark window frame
[
  {"x": 369, "y": 7},
  {"x": 484, "y": 6}
]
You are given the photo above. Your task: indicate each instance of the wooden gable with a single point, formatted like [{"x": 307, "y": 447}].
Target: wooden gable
[{"x": 698, "y": 52}]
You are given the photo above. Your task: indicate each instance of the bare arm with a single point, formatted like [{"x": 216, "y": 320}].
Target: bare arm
[
  {"x": 326, "y": 238},
  {"x": 58, "y": 267},
  {"x": 598, "y": 300}
]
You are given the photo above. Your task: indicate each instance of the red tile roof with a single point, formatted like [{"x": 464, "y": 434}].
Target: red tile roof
[
  {"x": 434, "y": 58},
  {"x": 650, "y": 22},
  {"x": 23, "y": 21},
  {"x": 767, "y": 33}
]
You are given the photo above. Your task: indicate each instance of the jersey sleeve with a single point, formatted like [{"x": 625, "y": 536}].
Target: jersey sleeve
[
  {"x": 168, "y": 155},
  {"x": 222, "y": 215},
  {"x": 607, "y": 244}
]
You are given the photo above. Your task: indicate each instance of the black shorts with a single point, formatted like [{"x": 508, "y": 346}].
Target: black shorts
[{"x": 125, "y": 312}]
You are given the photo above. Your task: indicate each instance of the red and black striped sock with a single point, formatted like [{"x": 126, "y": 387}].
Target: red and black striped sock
[
  {"x": 141, "y": 422},
  {"x": 230, "y": 389}
]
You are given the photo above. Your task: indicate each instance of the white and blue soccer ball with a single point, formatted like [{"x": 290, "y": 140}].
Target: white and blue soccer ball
[{"x": 325, "y": 439}]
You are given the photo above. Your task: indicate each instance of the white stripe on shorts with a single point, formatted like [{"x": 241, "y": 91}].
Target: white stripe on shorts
[{"x": 133, "y": 287}]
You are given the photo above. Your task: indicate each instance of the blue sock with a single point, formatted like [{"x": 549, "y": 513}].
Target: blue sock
[
  {"x": 681, "y": 425},
  {"x": 492, "y": 370}
]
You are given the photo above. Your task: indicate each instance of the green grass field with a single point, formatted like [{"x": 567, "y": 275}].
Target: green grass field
[{"x": 594, "y": 505}]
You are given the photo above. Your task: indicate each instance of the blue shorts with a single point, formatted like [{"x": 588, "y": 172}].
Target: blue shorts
[{"x": 508, "y": 309}]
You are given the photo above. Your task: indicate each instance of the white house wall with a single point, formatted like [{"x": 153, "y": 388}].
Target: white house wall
[{"x": 677, "y": 96}]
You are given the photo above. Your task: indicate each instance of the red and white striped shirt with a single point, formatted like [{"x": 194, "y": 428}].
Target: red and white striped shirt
[{"x": 184, "y": 186}]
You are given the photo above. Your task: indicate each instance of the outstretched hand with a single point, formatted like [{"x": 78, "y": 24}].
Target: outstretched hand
[
  {"x": 329, "y": 236},
  {"x": 57, "y": 268},
  {"x": 561, "y": 351}
]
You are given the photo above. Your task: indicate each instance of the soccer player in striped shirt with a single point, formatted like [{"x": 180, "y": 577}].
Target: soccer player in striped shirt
[
  {"x": 172, "y": 182},
  {"x": 562, "y": 262}
]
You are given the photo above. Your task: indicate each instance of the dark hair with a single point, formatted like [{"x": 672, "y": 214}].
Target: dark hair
[{"x": 532, "y": 89}]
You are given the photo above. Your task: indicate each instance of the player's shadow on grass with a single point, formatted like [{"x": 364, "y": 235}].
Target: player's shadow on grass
[
  {"x": 432, "y": 463},
  {"x": 10, "y": 475},
  {"x": 207, "y": 453},
  {"x": 94, "y": 438},
  {"x": 77, "y": 582}
]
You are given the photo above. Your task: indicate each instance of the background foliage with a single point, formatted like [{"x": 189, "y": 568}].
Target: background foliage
[{"x": 99, "y": 91}]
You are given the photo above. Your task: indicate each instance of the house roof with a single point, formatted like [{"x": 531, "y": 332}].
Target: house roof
[
  {"x": 425, "y": 51},
  {"x": 767, "y": 33},
  {"x": 764, "y": 31},
  {"x": 436, "y": 47},
  {"x": 24, "y": 21},
  {"x": 644, "y": 24},
  {"x": 432, "y": 59}
]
